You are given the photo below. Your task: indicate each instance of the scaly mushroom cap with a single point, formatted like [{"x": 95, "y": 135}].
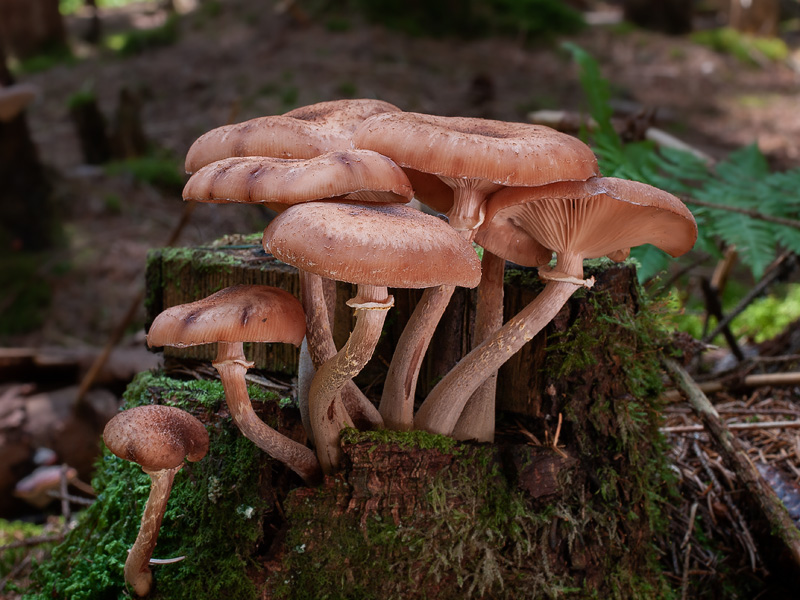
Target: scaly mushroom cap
[
  {"x": 277, "y": 136},
  {"x": 241, "y": 313},
  {"x": 381, "y": 245},
  {"x": 598, "y": 217},
  {"x": 341, "y": 116},
  {"x": 367, "y": 175},
  {"x": 156, "y": 437}
]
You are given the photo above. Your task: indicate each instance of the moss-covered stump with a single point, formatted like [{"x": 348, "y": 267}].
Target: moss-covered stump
[
  {"x": 414, "y": 515},
  {"x": 217, "y": 514}
]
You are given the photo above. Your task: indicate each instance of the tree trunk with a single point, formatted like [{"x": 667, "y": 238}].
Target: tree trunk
[
  {"x": 670, "y": 16},
  {"x": 31, "y": 27},
  {"x": 27, "y": 221}
]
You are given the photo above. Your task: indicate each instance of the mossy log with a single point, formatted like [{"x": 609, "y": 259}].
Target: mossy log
[{"x": 414, "y": 515}]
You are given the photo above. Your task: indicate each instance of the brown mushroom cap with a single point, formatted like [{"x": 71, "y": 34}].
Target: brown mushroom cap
[
  {"x": 277, "y": 135},
  {"x": 156, "y": 437},
  {"x": 462, "y": 147},
  {"x": 601, "y": 216},
  {"x": 241, "y": 313},
  {"x": 382, "y": 245},
  {"x": 283, "y": 181},
  {"x": 342, "y": 116}
]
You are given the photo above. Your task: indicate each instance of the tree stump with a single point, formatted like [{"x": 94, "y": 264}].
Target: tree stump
[{"x": 565, "y": 504}]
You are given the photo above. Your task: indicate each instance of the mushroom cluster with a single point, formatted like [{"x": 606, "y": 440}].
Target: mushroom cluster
[{"x": 340, "y": 175}]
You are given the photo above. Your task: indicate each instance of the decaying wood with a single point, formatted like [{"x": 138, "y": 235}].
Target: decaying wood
[{"x": 770, "y": 506}]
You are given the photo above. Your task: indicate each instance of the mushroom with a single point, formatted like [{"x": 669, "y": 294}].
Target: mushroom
[
  {"x": 358, "y": 175},
  {"x": 454, "y": 164},
  {"x": 577, "y": 220},
  {"x": 158, "y": 438},
  {"x": 14, "y": 99},
  {"x": 375, "y": 247},
  {"x": 475, "y": 157},
  {"x": 241, "y": 313}
]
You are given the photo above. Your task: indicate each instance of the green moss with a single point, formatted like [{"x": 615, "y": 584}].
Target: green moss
[
  {"x": 214, "y": 516},
  {"x": 26, "y": 290},
  {"x": 405, "y": 439},
  {"x": 618, "y": 427}
]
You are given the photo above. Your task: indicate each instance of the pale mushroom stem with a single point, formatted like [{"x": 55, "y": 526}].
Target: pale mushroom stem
[
  {"x": 477, "y": 420},
  {"x": 397, "y": 400},
  {"x": 317, "y": 303},
  {"x": 443, "y": 406},
  {"x": 328, "y": 415},
  {"x": 137, "y": 569},
  {"x": 232, "y": 366}
]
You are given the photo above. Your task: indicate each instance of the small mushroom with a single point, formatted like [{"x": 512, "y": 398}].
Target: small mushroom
[
  {"x": 577, "y": 220},
  {"x": 158, "y": 438},
  {"x": 241, "y": 313},
  {"x": 375, "y": 247}
]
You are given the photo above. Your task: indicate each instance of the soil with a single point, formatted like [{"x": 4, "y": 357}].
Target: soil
[{"x": 244, "y": 60}]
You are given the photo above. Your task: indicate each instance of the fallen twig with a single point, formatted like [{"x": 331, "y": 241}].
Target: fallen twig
[
  {"x": 757, "y": 380},
  {"x": 768, "y": 503}
]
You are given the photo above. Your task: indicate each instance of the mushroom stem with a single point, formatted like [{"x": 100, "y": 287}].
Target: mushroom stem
[
  {"x": 317, "y": 304},
  {"x": 397, "y": 400},
  {"x": 232, "y": 366},
  {"x": 137, "y": 570},
  {"x": 328, "y": 415},
  {"x": 443, "y": 406},
  {"x": 478, "y": 417}
]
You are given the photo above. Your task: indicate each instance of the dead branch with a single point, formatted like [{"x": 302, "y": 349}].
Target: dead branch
[{"x": 756, "y": 380}]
